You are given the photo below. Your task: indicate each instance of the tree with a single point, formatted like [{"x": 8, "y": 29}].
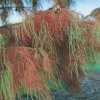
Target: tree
[
  {"x": 9, "y": 6},
  {"x": 96, "y": 14},
  {"x": 47, "y": 50}
]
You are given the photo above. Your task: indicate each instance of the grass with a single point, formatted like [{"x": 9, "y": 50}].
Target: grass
[{"x": 94, "y": 67}]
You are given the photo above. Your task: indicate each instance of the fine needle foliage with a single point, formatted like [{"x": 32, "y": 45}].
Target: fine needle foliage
[
  {"x": 25, "y": 72},
  {"x": 8, "y": 7},
  {"x": 49, "y": 49}
]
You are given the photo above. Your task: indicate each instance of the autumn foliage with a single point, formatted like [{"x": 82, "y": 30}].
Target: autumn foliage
[{"x": 47, "y": 48}]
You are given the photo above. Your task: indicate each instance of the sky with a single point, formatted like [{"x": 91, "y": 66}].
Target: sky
[
  {"x": 86, "y": 6},
  {"x": 82, "y": 6}
]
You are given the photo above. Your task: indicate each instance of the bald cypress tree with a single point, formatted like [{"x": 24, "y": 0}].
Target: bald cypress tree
[{"x": 9, "y": 6}]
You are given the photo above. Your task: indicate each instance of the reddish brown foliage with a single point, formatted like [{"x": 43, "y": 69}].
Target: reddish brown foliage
[
  {"x": 24, "y": 71},
  {"x": 69, "y": 66},
  {"x": 49, "y": 21},
  {"x": 49, "y": 43},
  {"x": 90, "y": 33},
  {"x": 55, "y": 23}
]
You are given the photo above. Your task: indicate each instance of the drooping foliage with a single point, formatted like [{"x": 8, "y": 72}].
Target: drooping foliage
[{"x": 49, "y": 49}]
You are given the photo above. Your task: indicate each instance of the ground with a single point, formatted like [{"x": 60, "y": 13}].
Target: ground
[{"x": 90, "y": 89}]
